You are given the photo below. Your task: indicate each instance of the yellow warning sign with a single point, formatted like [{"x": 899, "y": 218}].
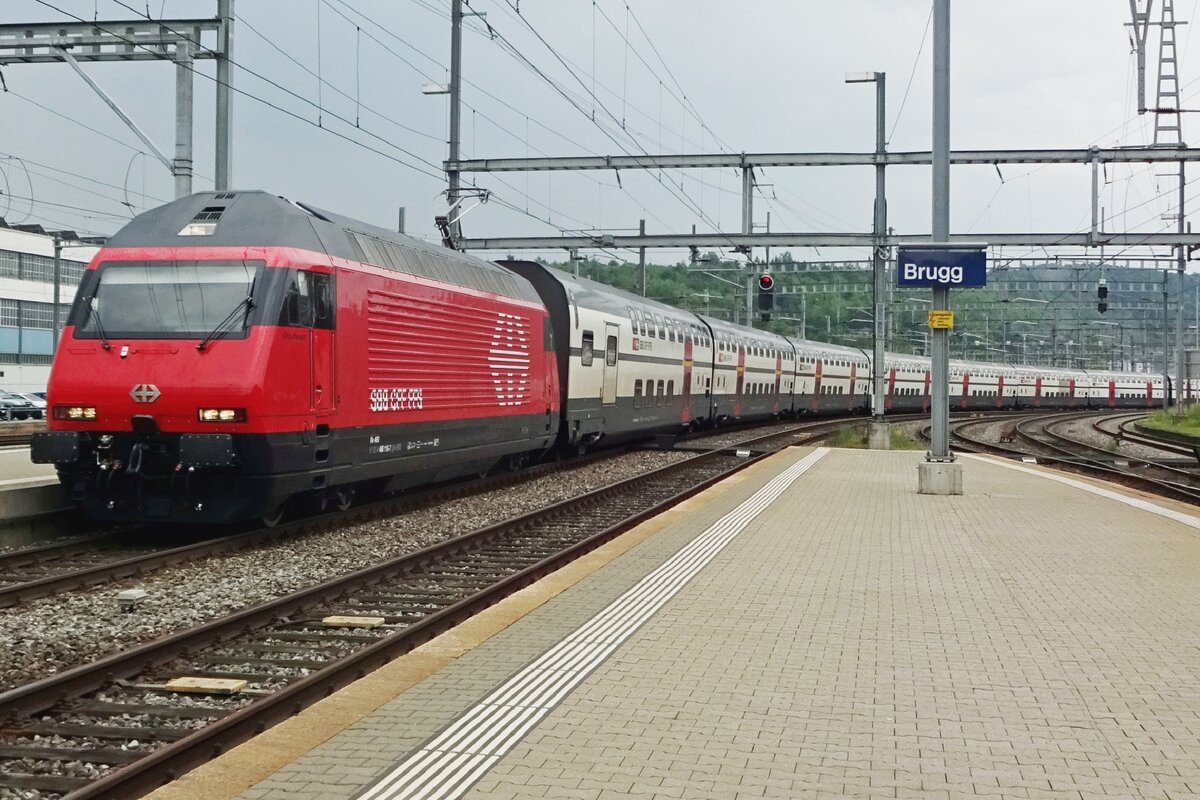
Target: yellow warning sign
[{"x": 941, "y": 319}]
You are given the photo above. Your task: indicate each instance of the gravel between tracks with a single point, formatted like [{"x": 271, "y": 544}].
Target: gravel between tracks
[
  {"x": 48, "y": 635},
  {"x": 1082, "y": 431}
]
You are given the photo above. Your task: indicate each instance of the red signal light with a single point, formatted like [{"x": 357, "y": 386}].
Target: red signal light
[{"x": 766, "y": 283}]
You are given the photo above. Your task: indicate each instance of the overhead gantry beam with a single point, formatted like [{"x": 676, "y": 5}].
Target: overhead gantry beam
[
  {"x": 715, "y": 241},
  {"x": 1102, "y": 155},
  {"x": 114, "y": 40}
]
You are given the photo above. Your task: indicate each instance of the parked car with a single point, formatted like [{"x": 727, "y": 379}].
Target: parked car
[
  {"x": 38, "y": 400},
  {"x": 13, "y": 406}
]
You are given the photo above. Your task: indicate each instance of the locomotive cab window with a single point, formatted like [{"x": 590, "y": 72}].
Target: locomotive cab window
[
  {"x": 168, "y": 299},
  {"x": 308, "y": 301},
  {"x": 585, "y": 349},
  {"x": 298, "y": 302}
]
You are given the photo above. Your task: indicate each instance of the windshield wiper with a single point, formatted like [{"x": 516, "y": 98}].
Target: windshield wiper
[
  {"x": 95, "y": 314},
  {"x": 220, "y": 330}
]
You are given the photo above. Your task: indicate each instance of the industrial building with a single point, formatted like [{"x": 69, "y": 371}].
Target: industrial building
[{"x": 27, "y": 289}]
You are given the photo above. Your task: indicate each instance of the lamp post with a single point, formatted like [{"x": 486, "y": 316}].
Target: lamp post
[
  {"x": 881, "y": 439},
  {"x": 1119, "y": 339},
  {"x": 59, "y": 246},
  {"x": 1025, "y": 337},
  {"x": 982, "y": 342},
  {"x": 1021, "y": 322}
]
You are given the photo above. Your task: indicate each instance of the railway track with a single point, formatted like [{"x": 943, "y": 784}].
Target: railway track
[
  {"x": 43, "y": 571},
  {"x": 14, "y": 439},
  {"x": 17, "y": 433},
  {"x": 115, "y": 728},
  {"x": 1041, "y": 439},
  {"x": 113, "y": 555},
  {"x": 1130, "y": 432}
]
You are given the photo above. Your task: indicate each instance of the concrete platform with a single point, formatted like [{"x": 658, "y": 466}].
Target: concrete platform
[
  {"x": 30, "y": 499},
  {"x": 16, "y": 468},
  {"x": 811, "y": 628}
]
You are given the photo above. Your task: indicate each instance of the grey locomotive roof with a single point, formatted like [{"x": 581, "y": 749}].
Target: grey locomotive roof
[{"x": 260, "y": 219}]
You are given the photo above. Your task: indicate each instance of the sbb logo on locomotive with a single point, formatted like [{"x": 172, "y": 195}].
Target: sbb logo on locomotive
[{"x": 397, "y": 399}]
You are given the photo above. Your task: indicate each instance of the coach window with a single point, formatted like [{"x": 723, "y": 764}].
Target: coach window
[
  {"x": 649, "y": 393},
  {"x": 637, "y": 393},
  {"x": 670, "y": 388},
  {"x": 610, "y": 351},
  {"x": 662, "y": 397},
  {"x": 585, "y": 350}
]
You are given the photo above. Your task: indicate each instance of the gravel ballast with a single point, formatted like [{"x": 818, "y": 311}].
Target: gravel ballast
[{"x": 48, "y": 635}]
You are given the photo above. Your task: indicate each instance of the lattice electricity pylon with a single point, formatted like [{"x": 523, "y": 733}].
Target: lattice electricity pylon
[{"x": 1168, "y": 124}]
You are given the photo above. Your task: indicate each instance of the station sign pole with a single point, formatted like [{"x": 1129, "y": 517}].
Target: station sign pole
[
  {"x": 938, "y": 474},
  {"x": 941, "y": 266}
]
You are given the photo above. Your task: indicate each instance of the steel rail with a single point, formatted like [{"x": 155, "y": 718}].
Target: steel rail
[
  {"x": 172, "y": 759},
  {"x": 1069, "y": 461},
  {"x": 39, "y": 558},
  {"x": 155, "y": 559}
]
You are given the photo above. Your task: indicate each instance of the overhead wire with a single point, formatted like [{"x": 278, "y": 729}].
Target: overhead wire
[
  {"x": 241, "y": 19},
  {"x": 912, "y": 75},
  {"x": 552, "y": 130},
  {"x": 682, "y": 98},
  {"x": 79, "y": 176},
  {"x": 491, "y": 32},
  {"x": 72, "y": 120},
  {"x": 89, "y": 213},
  {"x": 429, "y": 169},
  {"x": 683, "y": 197}
]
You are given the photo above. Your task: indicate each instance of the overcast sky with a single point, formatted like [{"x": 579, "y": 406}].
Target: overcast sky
[{"x": 666, "y": 76}]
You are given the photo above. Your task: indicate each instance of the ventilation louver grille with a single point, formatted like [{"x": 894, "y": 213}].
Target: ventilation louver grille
[
  {"x": 209, "y": 214},
  {"x": 204, "y": 223}
]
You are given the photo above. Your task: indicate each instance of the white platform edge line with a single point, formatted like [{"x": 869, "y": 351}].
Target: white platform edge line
[
  {"x": 388, "y": 786},
  {"x": 1136, "y": 502}
]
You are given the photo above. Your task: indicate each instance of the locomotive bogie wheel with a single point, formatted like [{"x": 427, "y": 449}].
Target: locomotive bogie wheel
[
  {"x": 343, "y": 498},
  {"x": 273, "y": 518}
]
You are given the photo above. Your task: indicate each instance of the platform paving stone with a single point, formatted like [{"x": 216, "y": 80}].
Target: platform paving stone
[{"x": 1025, "y": 640}]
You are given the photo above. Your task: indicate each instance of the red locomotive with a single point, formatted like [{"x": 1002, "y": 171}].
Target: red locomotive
[{"x": 229, "y": 352}]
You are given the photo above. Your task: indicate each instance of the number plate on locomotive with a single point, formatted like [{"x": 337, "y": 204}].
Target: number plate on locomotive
[{"x": 397, "y": 399}]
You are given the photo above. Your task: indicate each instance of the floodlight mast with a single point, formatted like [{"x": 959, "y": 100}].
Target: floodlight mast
[{"x": 880, "y": 437}]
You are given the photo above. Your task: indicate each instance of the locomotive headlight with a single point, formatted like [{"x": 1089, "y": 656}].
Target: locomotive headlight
[
  {"x": 222, "y": 415},
  {"x": 75, "y": 413}
]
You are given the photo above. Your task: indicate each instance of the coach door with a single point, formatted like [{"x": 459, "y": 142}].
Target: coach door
[
  {"x": 609, "y": 395},
  {"x": 321, "y": 340}
]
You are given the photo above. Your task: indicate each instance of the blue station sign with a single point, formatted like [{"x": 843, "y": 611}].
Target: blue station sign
[{"x": 941, "y": 267}]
